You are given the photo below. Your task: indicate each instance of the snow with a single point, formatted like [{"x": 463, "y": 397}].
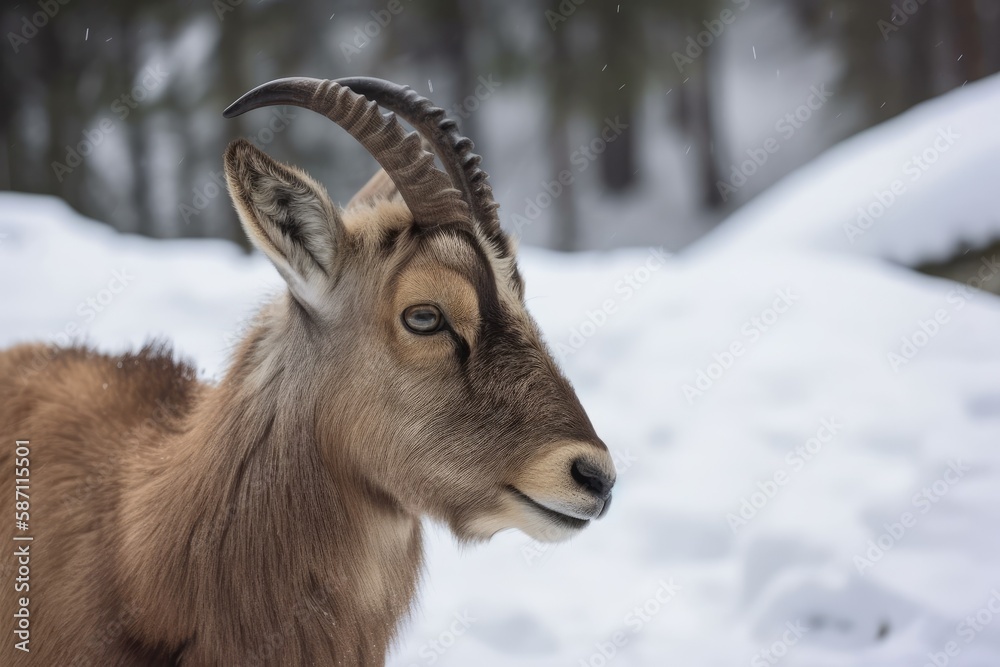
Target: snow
[
  {"x": 868, "y": 484},
  {"x": 941, "y": 158}
]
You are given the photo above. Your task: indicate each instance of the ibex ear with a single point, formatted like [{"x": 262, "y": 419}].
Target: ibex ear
[
  {"x": 379, "y": 186},
  {"x": 288, "y": 216}
]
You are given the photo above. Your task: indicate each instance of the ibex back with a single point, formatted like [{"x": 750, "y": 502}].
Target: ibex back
[{"x": 274, "y": 517}]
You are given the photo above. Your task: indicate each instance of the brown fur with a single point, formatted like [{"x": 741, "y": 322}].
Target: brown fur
[{"x": 274, "y": 518}]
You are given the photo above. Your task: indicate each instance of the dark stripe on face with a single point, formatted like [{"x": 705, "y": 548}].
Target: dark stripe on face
[
  {"x": 483, "y": 280},
  {"x": 389, "y": 238},
  {"x": 493, "y": 319},
  {"x": 461, "y": 345}
]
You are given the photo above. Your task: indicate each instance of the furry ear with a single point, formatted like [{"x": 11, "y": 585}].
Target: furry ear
[
  {"x": 288, "y": 216},
  {"x": 379, "y": 186}
]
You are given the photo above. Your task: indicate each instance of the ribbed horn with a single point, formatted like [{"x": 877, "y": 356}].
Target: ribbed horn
[
  {"x": 427, "y": 191},
  {"x": 453, "y": 149}
]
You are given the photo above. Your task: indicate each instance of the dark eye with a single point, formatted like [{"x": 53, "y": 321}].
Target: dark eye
[{"x": 423, "y": 319}]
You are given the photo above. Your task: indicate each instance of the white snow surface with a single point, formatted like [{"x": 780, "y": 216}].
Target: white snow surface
[
  {"x": 914, "y": 189},
  {"x": 819, "y": 500}
]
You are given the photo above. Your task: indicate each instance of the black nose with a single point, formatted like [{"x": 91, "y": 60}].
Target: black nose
[{"x": 592, "y": 478}]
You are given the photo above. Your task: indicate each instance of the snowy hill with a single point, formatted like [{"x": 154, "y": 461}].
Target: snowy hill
[
  {"x": 911, "y": 190},
  {"x": 807, "y": 436}
]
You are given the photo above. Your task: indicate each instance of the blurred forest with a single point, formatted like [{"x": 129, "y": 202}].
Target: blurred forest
[{"x": 116, "y": 106}]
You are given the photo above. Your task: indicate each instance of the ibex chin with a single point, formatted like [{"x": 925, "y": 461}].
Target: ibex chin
[{"x": 275, "y": 517}]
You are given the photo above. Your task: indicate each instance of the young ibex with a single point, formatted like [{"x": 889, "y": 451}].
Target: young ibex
[{"x": 274, "y": 518}]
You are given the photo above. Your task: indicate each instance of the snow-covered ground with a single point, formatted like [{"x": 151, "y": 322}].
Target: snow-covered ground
[{"x": 807, "y": 434}]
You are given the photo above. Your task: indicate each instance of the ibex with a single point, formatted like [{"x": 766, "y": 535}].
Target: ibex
[{"x": 275, "y": 517}]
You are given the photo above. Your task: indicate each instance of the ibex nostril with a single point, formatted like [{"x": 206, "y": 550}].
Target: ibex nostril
[{"x": 591, "y": 478}]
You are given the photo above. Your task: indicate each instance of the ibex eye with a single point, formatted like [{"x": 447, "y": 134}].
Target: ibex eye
[{"x": 423, "y": 319}]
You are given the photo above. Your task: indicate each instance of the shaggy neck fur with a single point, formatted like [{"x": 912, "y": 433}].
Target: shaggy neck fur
[{"x": 237, "y": 517}]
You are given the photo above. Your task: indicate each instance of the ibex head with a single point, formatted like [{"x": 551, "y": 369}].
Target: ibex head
[{"x": 430, "y": 382}]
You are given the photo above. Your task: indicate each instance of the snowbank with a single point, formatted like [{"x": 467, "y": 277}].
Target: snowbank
[{"x": 914, "y": 189}]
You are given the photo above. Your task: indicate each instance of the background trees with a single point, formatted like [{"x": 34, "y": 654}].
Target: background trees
[{"x": 116, "y": 108}]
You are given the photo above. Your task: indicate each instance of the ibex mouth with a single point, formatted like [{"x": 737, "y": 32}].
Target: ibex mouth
[{"x": 565, "y": 519}]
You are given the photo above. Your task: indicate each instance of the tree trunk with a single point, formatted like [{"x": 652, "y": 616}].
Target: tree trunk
[
  {"x": 702, "y": 130},
  {"x": 233, "y": 82},
  {"x": 565, "y": 233},
  {"x": 968, "y": 39},
  {"x": 619, "y": 95},
  {"x": 618, "y": 170},
  {"x": 920, "y": 49}
]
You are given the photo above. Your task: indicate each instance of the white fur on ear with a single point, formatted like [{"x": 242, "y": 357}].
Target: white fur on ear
[{"x": 288, "y": 216}]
